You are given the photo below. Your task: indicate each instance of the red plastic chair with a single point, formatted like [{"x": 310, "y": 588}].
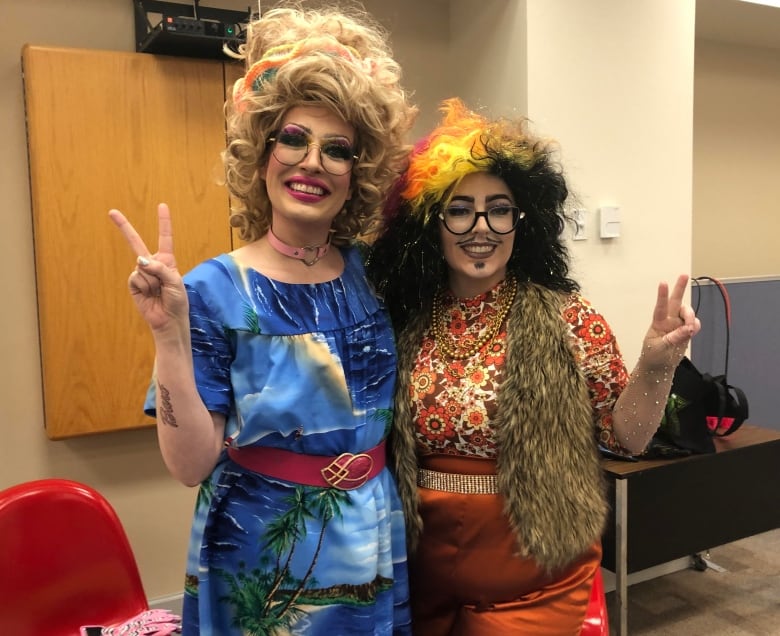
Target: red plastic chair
[
  {"x": 596, "y": 620},
  {"x": 65, "y": 561}
]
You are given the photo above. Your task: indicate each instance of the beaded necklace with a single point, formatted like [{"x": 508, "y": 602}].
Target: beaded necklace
[{"x": 440, "y": 325}]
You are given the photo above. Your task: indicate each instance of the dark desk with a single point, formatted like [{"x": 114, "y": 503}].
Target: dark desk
[{"x": 669, "y": 509}]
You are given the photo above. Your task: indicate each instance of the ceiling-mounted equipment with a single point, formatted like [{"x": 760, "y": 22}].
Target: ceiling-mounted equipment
[{"x": 190, "y": 30}]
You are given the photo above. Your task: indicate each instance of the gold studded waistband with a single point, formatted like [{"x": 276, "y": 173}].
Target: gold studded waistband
[{"x": 455, "y": 482}]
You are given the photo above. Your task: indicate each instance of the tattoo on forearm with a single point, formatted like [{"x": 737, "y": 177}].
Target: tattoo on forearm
[{"x": 166, "y": 409}]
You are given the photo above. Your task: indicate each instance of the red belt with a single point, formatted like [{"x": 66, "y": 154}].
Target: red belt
[{"x": 345, "y": 472}]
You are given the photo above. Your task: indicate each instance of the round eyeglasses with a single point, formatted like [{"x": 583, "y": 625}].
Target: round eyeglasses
[
  {"x": 501, "y": 219},
  {"x": 292, "y": 145}
]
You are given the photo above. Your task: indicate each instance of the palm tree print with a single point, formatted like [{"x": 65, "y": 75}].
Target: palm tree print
[
  {"x": 266, "y": 601},
  {"x": 385, "y": 418},
  {"x": 327, "y": 503}
]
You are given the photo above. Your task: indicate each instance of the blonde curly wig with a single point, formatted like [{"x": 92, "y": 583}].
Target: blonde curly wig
[{"x": 362, "y": 86}]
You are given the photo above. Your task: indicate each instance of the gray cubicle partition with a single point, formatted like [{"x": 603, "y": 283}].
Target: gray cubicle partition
[{"x": 754, "y": 358}]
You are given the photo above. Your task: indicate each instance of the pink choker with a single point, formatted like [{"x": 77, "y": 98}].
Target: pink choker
[{"x": 309, "y": 254}]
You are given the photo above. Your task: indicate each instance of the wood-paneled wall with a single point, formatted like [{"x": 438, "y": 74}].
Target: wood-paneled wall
[{"x": 111, "y": 129}]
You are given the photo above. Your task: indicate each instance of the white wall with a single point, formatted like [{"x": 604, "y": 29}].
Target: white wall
[
  {"x": 613, "y": 82},
  {"x": 419, "y": 34},
  {"x": 488, "y": 54},
  {"x": 736, "y": 191}
]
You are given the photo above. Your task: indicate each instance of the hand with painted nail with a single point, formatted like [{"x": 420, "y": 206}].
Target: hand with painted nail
[{"x": 155, "y": 284}]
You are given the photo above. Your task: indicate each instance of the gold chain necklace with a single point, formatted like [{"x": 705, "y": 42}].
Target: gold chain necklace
[{"x": 441, "y": 331}]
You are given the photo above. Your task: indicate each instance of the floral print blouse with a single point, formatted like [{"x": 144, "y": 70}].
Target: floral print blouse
[{"x": 454, "y": 401}]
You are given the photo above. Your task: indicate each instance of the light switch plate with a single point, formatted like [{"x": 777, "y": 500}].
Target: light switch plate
[
  {"x": 609, "y": 221},
  {"x": 579, "y": 224}
]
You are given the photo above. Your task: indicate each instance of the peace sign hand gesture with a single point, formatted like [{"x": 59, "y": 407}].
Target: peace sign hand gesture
[
  {"x": 673, "y": 326},
  {"x": 155, "y": 284}
]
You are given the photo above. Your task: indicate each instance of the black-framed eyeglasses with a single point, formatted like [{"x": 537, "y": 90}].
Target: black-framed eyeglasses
[
  {"x": 501, "y": 219},
  {"x": 292, "y": 144}
]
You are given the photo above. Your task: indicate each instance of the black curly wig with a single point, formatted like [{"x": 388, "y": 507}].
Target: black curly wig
[{"x": 405, "y": 262}]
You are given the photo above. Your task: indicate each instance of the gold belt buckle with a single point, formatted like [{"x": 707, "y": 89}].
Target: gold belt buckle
[{"x": 348, "y": 471}]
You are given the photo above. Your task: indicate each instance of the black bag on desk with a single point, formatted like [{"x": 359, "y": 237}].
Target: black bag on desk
[{"x": 700, "y": 406}]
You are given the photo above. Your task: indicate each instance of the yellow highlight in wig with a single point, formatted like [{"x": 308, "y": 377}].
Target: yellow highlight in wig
[{"x": 456, "y": 148}]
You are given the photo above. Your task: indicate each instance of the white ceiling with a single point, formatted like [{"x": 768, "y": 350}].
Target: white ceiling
[{"x": 738, "y": 22}]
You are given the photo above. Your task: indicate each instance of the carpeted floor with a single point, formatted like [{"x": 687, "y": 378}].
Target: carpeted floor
[{"x": 742, "y": 601}]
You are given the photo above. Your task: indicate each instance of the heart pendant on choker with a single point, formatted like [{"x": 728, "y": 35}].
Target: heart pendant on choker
[{"x": 308, "y": 254}]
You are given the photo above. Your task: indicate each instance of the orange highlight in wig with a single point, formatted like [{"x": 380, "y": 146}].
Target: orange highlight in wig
[{"x": 458, "y": 147}]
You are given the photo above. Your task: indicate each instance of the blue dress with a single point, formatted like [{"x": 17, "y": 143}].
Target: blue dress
[{"x": 309, "y": 369}]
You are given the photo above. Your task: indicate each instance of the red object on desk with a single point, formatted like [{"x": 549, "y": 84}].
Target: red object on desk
[{"x": 65, "y": 561}]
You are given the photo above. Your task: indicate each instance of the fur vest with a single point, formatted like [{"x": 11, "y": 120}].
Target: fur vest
[{"x": 548, "y": 467}]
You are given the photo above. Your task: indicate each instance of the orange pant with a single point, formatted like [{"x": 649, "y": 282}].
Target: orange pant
[{"x": 466, "y": 580}]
